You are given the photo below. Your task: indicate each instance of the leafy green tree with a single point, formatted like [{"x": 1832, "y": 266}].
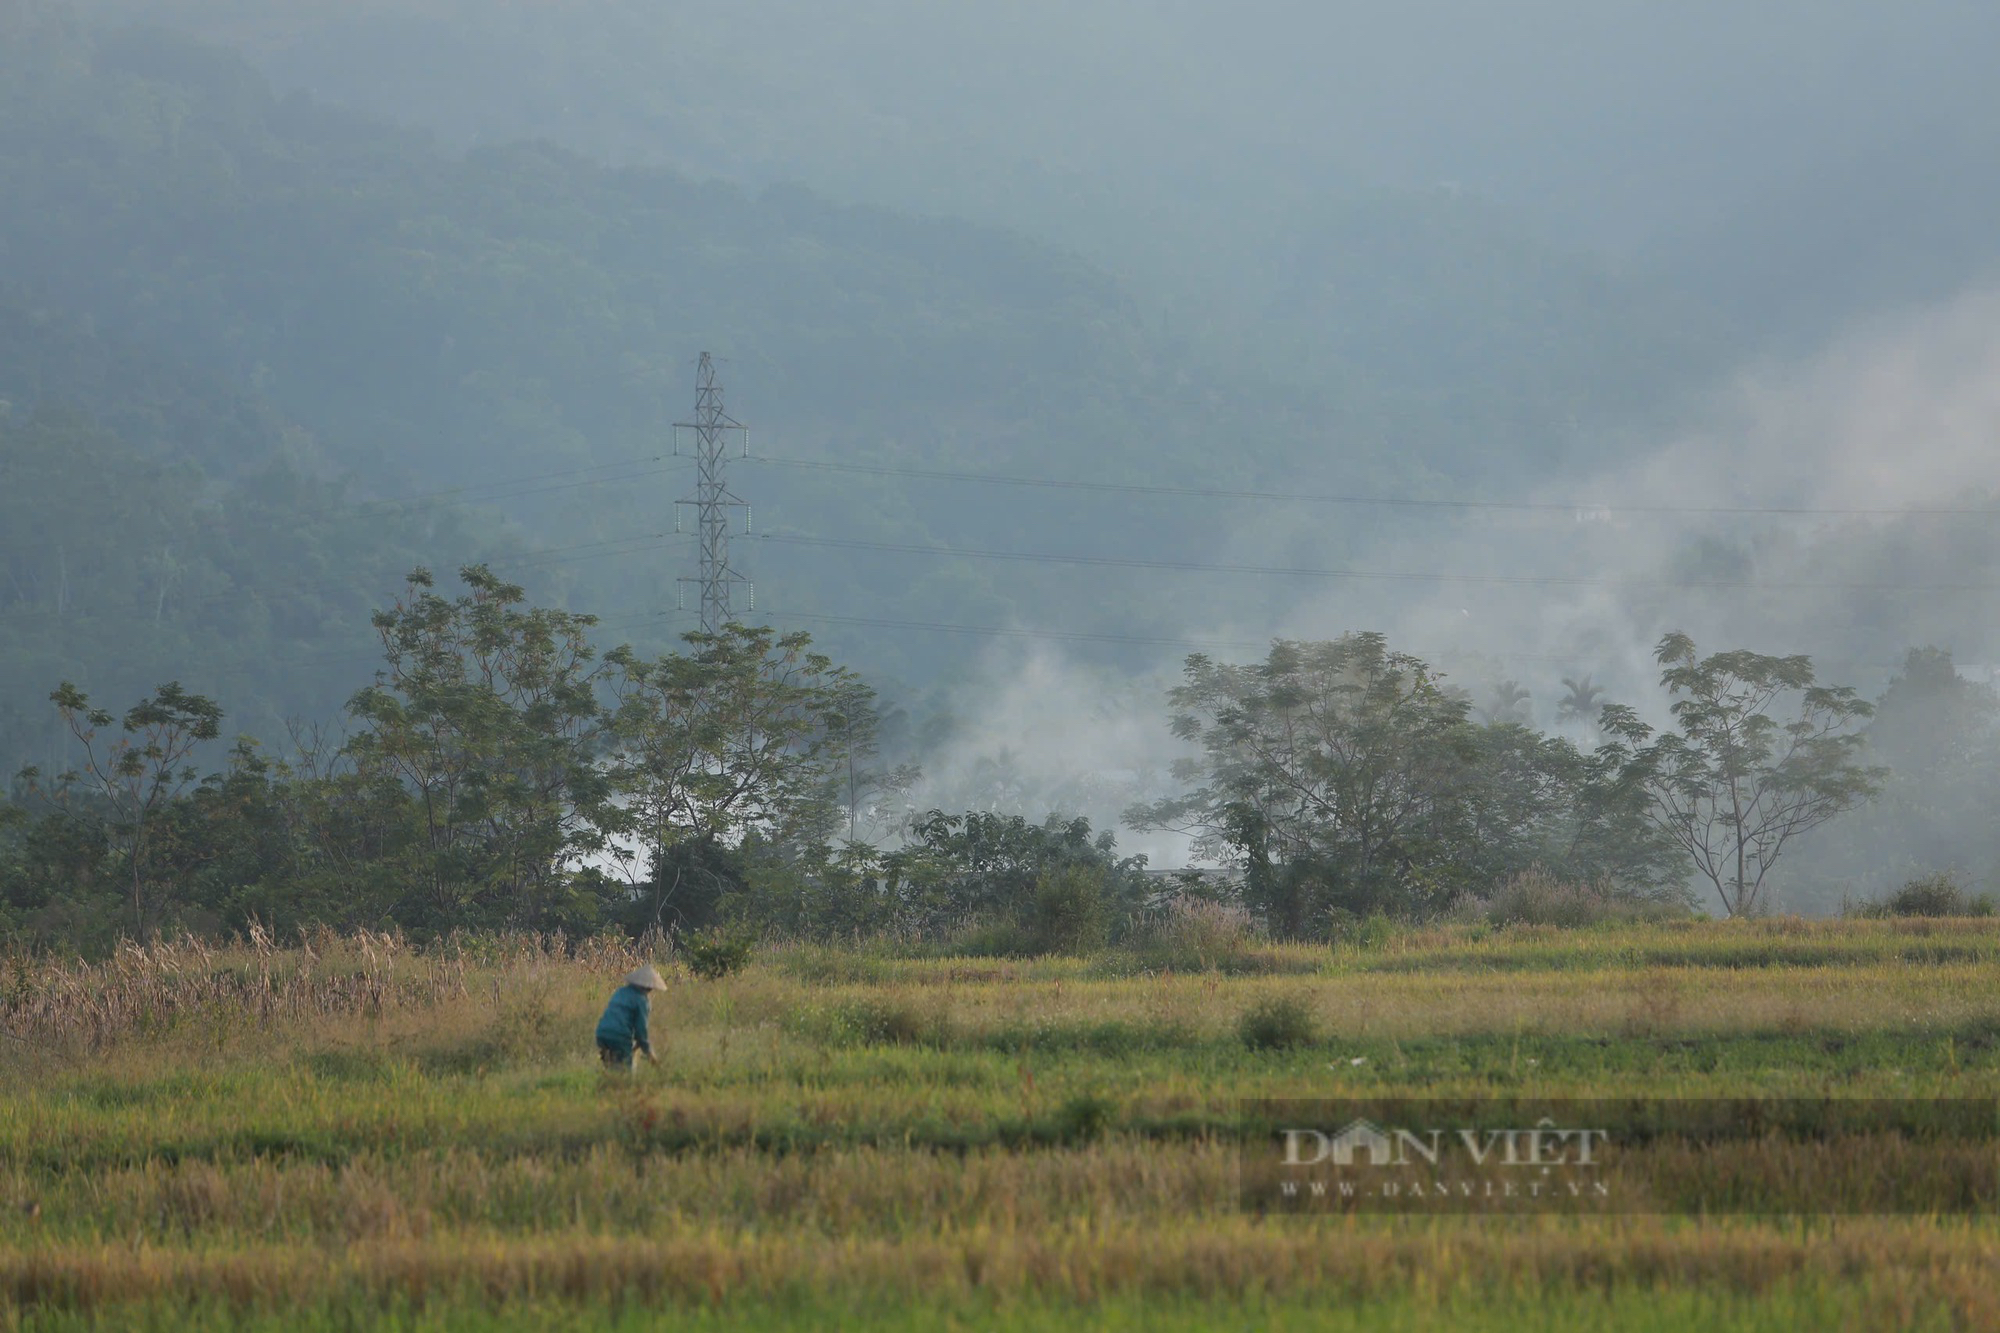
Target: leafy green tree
[
  {"x": 813, "y": 891},
  {"x": 1044, "y": 887},
  {"x": 227, "y": 838},
  {"x": 1931, "y": 721},
  {"x": 135, "y": 777},
  {"x": 486, "y": 715},
  {"x": 857, "y": 722},
  {"x": 1343, "y": 757},
  {"x": 746, "y": 733},
  {"x": 1530, "y": 801},
  {"x": 1347, "y": 779},
  {"x": 1071, "y": 910},
  {"x": 1938, "y": 733},
  {"x": 1760, "y": 754}
]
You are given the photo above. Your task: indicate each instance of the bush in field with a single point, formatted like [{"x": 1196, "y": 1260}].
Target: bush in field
[
  {"x": 714, "y": 954},
  {"x": 1937, "y": 894},
  {"x": 1344, "y": 927},
  {"x": 886, "y": 1021},
  {"x": 1084, "y": 1118},
  {"x": 1537, "y": 898},
  {"x": 1276, "y": 1025},
  {"x": 1003, "y": 938},
  {"x": 1054, "y": 879},
  {"x": 1190, "y": 934},
  {"x": 1070, "y": 912}
]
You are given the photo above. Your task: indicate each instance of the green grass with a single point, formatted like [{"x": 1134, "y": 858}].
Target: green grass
[
  {"x": 365, "y": 1138},
  {"x": 1783, "y": 1309}
]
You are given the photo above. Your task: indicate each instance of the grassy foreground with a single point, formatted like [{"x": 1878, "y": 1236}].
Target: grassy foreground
[{"x": 345, "y": 1134}]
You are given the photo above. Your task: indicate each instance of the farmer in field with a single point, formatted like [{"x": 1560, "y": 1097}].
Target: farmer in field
[{"x": 623, "y": 1026}]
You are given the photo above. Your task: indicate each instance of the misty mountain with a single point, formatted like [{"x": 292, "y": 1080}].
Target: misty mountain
[
  {"x": 1799, "y": 163},
  {"x": 126, "y": 564},
  {"x": 1107, "y": 323},
  {"x": 426, "y": 319}
]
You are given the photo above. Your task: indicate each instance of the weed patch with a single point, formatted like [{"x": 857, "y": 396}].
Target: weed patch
[{"x": 1277, "y": 1025}]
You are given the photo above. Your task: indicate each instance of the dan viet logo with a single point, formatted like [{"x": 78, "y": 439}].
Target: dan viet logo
[
  {"x": 1364, "y": 1160},
  {"x": 1693, "y": 1156}
]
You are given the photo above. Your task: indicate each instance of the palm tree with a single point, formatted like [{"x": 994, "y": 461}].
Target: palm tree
[
  {"x": 1508, "y": 703},
  {"x": 1583, "y": 703}
]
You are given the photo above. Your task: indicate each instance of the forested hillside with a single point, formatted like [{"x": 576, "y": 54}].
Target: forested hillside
[
  {"x": 261, "y": 356},
  {"x": 1798, "y": 163},
  {"x": 159, "y": 525},
  {"x": 357, "y": 305}
]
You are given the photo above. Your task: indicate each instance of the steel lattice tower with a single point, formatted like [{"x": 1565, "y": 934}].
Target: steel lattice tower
[{"x": 712, "y": 500}]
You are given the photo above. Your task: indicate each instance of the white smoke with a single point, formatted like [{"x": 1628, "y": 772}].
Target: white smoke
[
  {"x": 1042, "y": 733},
  {"x": 1904, "y": 412}
]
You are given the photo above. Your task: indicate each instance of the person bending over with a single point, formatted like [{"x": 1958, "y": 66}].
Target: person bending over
[{"x": 623, "y": 1027}]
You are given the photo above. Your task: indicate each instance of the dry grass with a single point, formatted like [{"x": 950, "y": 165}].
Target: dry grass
[
  {"x": 351, "y": 1119},
  {"x": 1085, "y": 1262},
  {"x": 144, "y": 990}
]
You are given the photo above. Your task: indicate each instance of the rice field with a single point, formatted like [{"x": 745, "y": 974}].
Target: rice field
[{"x": 348, "y": 1132}]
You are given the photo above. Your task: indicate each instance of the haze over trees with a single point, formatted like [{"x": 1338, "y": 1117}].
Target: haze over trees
[
  {"x": 503, "y": 773},
  {"x": 1737, "y": 779},
  {"x": 1102, "y": 327}
]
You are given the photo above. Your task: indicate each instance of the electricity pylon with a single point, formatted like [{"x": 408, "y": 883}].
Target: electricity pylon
[{"x": 712, "y": 500}]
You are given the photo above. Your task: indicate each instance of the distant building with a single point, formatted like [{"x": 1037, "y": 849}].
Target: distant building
[
  {"x": 1206, "y": 877},
  {"x": 1163, "y": 886}
]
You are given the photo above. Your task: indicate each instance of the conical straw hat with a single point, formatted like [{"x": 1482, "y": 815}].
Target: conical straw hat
[{"x": 645, "y": 978}]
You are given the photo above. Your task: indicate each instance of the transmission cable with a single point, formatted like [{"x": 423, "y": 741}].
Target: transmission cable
[
  {"x": 1400, "y": 576},
  {"x": 1308, "y": 497}
]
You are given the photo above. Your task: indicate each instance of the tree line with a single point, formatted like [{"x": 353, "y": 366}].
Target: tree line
[
  {"x": 501, "y": 772},
  {"x": 1348, "y": 779}
]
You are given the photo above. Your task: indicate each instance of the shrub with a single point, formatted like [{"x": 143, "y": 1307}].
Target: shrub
[
  {"x": 1069, "y": 913},
  {"x": 1191, "y": 934},
  {"x": 874, "y": 1022},
  {"x": 714, "y": 954},
  {"x": 1003, "y": 938},
  {"x": 1369, "y": 932},
  {"x": 1084, "y": 1118},
  {"x": 822, "y": 964},
  {"x": 1938, "y": 894},
  {"x": 1276, "y": 1025},
  {"x": 1537, "y": 898}
]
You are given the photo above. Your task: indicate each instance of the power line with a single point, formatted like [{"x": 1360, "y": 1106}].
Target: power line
[
  {"x": 504, "y": 490},
  {"x": 1400, "y": 576},
  {"x": 995, "y": 631},
  {"x": 642, "y": 543},
  {"x": 626, "y": 620},
  {"x": 555, "y": 555},
  {"x": 651, "y": 541},
  {"x": 477, "y": 494},
  {"x": 1308, "y": 497},
  {"x": 1164, "y": 641}
]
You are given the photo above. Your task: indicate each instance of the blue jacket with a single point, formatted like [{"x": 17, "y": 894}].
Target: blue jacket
[{"x": 624, "y": 1023}]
